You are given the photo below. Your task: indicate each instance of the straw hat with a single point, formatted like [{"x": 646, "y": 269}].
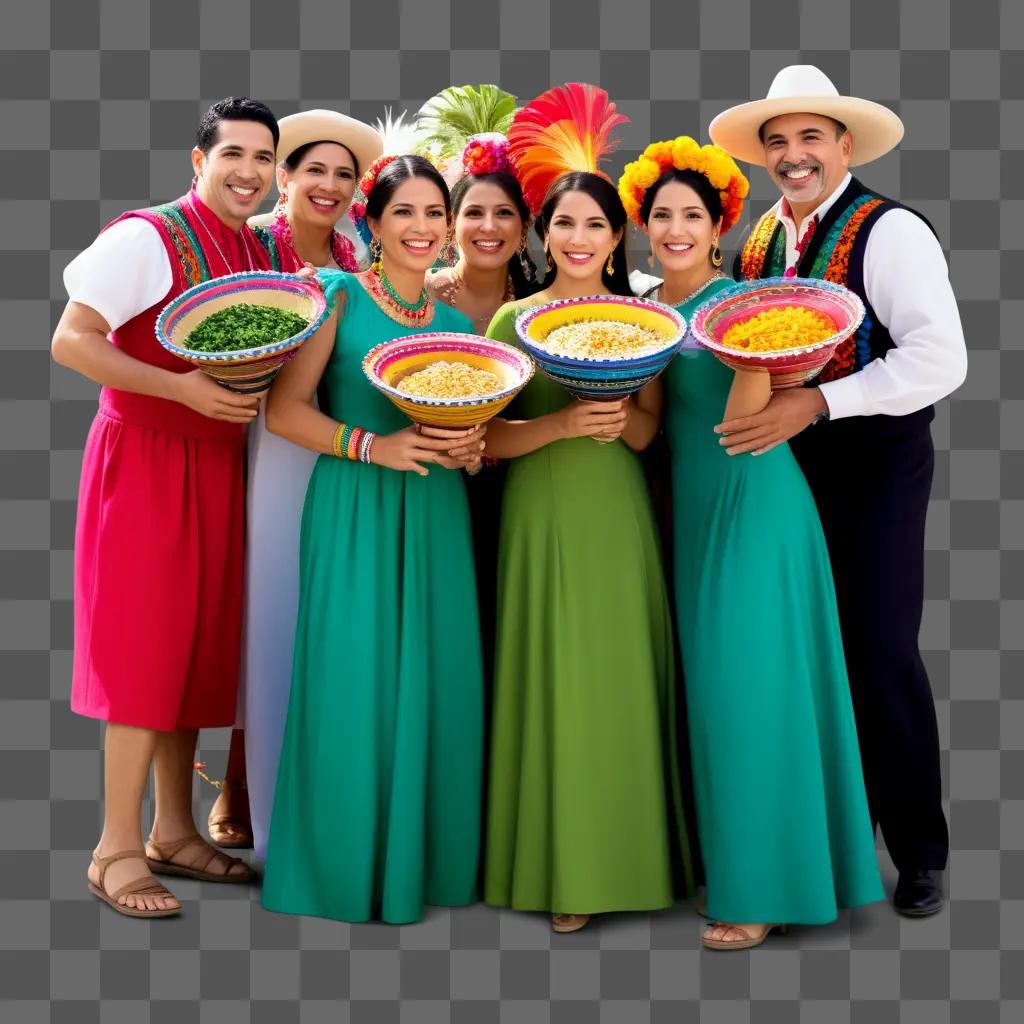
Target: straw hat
[
  {"x": 805, "y": 89},
  {"x": 329, "y": 126}
]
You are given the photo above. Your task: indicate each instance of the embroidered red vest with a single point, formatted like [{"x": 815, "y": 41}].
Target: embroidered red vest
[{"x": 193, "y": 257}]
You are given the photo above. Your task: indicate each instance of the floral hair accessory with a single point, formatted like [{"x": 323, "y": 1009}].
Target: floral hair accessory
[
  {"x": 486, "y": 153},
  {"x": 369, "y": 179},
  {"x": 357, "y": 214},
  {"x": 685, "y": 154}
]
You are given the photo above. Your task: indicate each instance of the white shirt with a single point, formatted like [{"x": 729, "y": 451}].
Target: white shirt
[
  {"x": 907, "y": 283},
  {"x": 123, "y": 272}
]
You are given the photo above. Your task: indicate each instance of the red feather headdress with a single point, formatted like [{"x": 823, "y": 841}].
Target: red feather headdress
[{"x": 565, "y": 129}]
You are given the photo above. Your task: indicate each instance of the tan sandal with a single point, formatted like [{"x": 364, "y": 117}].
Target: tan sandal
[
  {"x": 747, "y": 942},
  {"x": 565, "y": 923},
  {"x": 162, "y": 864},
  {"x": 219, "y": 823},
  {"x": 143, "y": 887}
]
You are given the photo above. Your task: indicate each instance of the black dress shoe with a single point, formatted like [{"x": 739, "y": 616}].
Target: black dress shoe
[{"x": 919, "y": 893}]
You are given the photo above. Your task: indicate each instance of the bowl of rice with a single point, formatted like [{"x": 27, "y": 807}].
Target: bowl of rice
[
  {"x": 241, "y": 329},
  {"x": 789, "y": 327},
  {"x": 448, "y": 380},
  {"x": 602, "y": 347}
]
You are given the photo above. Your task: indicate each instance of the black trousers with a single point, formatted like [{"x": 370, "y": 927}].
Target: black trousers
[{"x": 871, "y": 478}]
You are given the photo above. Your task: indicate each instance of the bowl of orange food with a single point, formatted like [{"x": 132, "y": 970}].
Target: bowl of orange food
[
  {"x": 448, "y": 380},
  {"x": 789, "y": 327}
]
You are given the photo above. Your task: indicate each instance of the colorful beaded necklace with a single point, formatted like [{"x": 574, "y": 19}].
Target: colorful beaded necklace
[{"x": 408, "y": 314}]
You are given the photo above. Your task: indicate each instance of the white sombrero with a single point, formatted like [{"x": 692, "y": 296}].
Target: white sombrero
[
  {"x": 308, "y": 126},
  {"x": 805, "y": 89}
]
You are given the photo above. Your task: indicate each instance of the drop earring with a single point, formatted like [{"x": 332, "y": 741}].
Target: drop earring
[
  {"x": 524, "y": 260},
  {"x": 609, "y": 267},
  {"x": 377, "y": 255},
  {"x": 716, "y": 257}
]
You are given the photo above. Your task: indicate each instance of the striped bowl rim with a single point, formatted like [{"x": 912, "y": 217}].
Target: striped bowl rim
[
  {"x": 447, "y": 341},
  {"x": 525, "y": 318},
  {"x": 855, "y": 311},
  {"x": 241, "y": 283}
]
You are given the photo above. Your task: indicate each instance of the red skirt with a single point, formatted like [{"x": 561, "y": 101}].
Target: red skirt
[{"x": 159, "y": 547}]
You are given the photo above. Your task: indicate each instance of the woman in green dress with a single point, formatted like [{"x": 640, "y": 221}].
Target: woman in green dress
[
  {"x": 585, "y": 811},
  {"x": 782, "y": 814},
  {"x": 377, "y": 809}
]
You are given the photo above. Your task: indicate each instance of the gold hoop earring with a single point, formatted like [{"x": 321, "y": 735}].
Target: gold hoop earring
[
  {"x": 609, "y": 267},
  {"x": 377, "y": 255},
  {"x": 717, "y": 259}
]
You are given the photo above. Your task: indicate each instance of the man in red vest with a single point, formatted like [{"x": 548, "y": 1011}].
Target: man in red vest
[
  {"x": 160, "y": 525},
  {"x": 867, "y": 454}
]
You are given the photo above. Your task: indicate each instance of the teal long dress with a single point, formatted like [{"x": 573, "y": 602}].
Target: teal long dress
[
  {"x": 585, "y": 811},
  {"x": 782, "y": 814},
  {"x": 377, "y": 808}
]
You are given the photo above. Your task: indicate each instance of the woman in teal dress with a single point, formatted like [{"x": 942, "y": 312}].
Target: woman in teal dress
[
  {"x": 377, "y": 809},
  {"x": 585, "y": 810},
  {"x": 782, "y": 814}
]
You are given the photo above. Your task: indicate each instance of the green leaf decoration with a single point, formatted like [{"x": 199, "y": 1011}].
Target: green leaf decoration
[{"x": 446, "y": 121}]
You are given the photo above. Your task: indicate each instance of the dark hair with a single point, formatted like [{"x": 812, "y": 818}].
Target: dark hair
[
  {"x": 604, "y": 193},
  {"x": 709, "y": 195},
  {"x": 841, "y": 128},
  {"x": 400, "y": 170},
  {"x": 294, "y": 158},
  {"x": 522, "y": 284},
  {"x": 234, "y": 108}
]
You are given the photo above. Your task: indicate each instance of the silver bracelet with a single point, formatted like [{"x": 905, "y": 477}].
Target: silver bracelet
[{"x": 365, "y": 445}]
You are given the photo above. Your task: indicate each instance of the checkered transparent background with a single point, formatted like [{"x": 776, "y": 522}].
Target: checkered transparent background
[{"x": 99, "y": 103}]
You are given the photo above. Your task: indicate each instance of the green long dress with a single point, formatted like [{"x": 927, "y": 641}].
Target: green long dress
[
  {"x": 782, "y": 814},
  {"x": 585, "y": 813},
  {"x": 377, "y": 809}
]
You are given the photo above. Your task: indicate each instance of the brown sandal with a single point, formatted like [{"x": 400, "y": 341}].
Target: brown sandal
[
  {"x": 747, "y": 942},
  {"x": 242, "y": 840},
  {"x": 143, "y": 886},
  {"x": 163, "y": 865},
  {"x": 566, "y": 923}
]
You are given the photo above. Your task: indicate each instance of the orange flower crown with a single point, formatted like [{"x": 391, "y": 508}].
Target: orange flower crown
[{"x": 685, "y": 154}]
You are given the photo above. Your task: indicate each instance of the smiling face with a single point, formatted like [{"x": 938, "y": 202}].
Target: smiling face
[
  {"x": 805, "y": 157},
  {"x": 680, "y": 228},
  {"x": 321, "y": 186},
  {"x": 235, "y": 176},
  {"x": 488, "y": 227},
  {"x": 579, "y": 237},
  {"x": 413, "y": 226}
]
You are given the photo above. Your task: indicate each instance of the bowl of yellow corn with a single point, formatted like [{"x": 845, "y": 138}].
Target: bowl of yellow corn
[
  {"x": 789, "y": 326},
  {"x": 448, "y": 380},
  {"x": 601, "y": 347}
]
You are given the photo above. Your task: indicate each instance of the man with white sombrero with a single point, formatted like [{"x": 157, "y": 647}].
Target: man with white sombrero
[{"x": 862, "y": 434}]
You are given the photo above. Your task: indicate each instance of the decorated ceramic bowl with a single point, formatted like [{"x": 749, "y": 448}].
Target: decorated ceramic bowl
[
  {"x": 602, "y": 379},
  {"x": 788, "y": 367},
  {"x": 389, "y": 363},
  {"x": 251, "y": 369}
]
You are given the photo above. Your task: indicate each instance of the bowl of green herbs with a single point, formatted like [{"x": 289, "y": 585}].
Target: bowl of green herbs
[{"x": 241, "y": 329}]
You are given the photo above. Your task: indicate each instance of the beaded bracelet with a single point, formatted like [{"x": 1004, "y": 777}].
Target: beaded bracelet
[
  {"x": 366, "y": 446},
  {"x": 337, "y": 449},
  {"x": 353, "y": 443}
]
